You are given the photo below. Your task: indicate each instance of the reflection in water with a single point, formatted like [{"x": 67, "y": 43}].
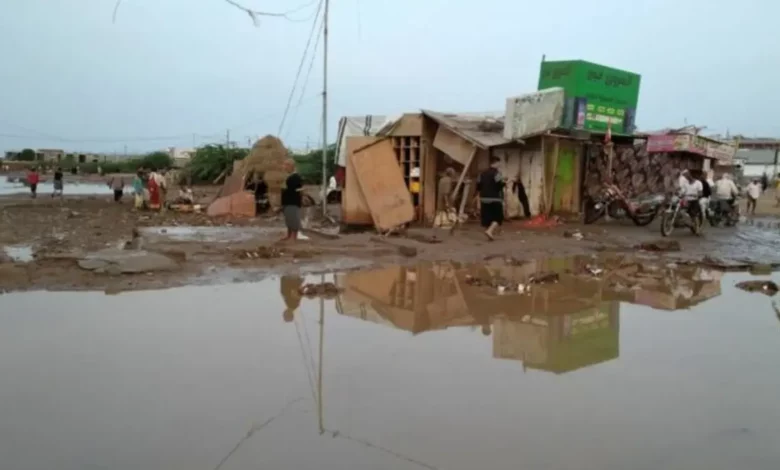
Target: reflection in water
[
  {"x": 291, "y": 293},
  {"x": 558, "y": 326}
]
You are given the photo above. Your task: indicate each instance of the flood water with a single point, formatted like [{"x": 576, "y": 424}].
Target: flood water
[
  {"x": 46, "y": 188},
  {"x": 413, "y": 368}
]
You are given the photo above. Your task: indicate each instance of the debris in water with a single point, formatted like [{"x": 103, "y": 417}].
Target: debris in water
[
  {"x": 575, "y": 234},
  {"x": 659, "y": 245},
  {"x": 327, "y": 290},
  {"x": 262, "y": 252},
  {"x": 543, "y": 278},
  {"x": 760, "y": 269},
  {"x": 764, "y": 287}
]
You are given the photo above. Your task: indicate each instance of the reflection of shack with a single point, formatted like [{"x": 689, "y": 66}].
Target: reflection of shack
[
  {"x": 560, "y": 343},
  {"x": 671, "y": 293},
  {"x": 415, "y": 299},
  {"x": 559, "y": 327}
]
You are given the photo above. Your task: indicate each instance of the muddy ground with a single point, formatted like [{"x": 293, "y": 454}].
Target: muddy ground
[{"x": 64, "y": 237}]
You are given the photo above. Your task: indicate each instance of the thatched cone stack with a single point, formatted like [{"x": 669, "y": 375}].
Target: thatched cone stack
[{"x": 267, "y": 159}]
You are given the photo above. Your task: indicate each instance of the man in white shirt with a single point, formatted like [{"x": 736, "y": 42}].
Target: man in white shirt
[
  {"x": 753, "y": 193},
  {"x": 690, "y": 188},
  {"x": 725, "y": 189}
]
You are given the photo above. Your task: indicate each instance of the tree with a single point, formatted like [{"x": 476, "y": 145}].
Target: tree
[
  {"x": 211, "y": 161},
  {"x": 27, "y": 155},
  {"x": 157, "y": 160},
  {"x": 309, "y": 165}
]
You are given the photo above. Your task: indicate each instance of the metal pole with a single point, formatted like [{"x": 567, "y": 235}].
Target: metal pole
[
  {"x": 319, "y": 376},
  {"x": 325, "y": 109}
]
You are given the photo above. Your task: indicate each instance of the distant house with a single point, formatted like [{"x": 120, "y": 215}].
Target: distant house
[
  {"x": 757, "y": 162},
  {"x": 181, "y": 156}
]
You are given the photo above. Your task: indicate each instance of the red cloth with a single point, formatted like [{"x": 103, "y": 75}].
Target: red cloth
[
  {"x": 33, "y": 177},
  {"x": 340, "y": 175},
  {"x": 154, "y": 193}
]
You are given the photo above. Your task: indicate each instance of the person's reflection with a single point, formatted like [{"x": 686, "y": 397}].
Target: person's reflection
[{"x": 291, "y": 293}]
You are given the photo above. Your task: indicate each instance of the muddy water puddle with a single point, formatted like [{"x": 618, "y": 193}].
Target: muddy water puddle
[
  {"x": 607, "y": 366},
  {"x": 206, "y": 234}
]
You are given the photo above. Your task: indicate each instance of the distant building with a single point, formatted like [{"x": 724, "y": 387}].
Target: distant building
[
  {"x": 758, "y": 161},
  {"x": 181, "y": 156}
]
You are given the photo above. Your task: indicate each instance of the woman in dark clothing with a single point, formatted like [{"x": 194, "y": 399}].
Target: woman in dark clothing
[
  {"x": 522, "y": 196},
  {"x": 491, "y": 198}
]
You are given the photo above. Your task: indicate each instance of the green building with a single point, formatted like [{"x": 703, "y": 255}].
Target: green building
[{"x": 595, "y": 95}]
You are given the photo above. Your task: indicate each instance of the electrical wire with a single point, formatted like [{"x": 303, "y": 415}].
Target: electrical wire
[
  {"x": 300, "y": 67},
  {"x": 254, "y": 14},
  {"x": 305, "y": 80}
]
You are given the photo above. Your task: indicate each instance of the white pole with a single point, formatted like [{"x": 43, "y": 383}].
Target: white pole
[{"x": 325, "y": 109}]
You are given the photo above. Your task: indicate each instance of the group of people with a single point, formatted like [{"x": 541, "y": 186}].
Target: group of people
[
  {"x": 34, "y": 179},
  {"x": 694, "y": 184},
  {"x": 150, "y": 190}
]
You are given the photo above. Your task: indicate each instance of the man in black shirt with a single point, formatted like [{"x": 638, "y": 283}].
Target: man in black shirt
[
  {"x": 291, "y": 201},
  {"x": 491, "y": 198}
]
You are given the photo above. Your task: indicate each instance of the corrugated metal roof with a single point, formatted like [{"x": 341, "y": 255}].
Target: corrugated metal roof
[
  {"x": 482, "y": 129},
  {"x": 757, "y": 157}
]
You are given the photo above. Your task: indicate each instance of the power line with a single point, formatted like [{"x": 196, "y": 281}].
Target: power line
[
  {"x": 300, "y": 67},
  {"x": 254, "y": 14},
  {"x": 306, "y": 80}
]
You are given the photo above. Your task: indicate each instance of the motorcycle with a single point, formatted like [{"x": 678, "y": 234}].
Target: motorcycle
[
  {"x": 610, "y": 201},
  {"x": 722, "y": 212},
  {"x": 680, "y": 213}
]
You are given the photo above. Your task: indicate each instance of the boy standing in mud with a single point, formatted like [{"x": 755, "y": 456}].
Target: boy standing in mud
[{"x": 292, "y": 201}]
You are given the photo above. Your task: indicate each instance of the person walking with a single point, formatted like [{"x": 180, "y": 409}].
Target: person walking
[
  {"x": 444, "y": 190},
  {"x": 490, "y": 187},
  {"x": 753, "y": 193},
  {"x": 117, "y": 184},
  {"x": 292, "y": 201},
  {"x": 58, "y": 183},
  {"x": 33, "y": 178},
  {"x": 138, "y": 190}
]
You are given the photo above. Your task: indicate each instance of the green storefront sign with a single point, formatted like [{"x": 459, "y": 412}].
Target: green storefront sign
[{"x": 595, "y": 95}]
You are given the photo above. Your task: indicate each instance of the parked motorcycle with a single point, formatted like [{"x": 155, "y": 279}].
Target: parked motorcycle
[
  {"x": 681, "y": 213},
  {"x": 610, "y": 200},
  {"x": 721, "y": 212}
]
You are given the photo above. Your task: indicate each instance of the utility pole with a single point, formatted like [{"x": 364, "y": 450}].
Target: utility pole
[
  {"x": 325, "y": 109},
  {"x": 227, "y": 139}
]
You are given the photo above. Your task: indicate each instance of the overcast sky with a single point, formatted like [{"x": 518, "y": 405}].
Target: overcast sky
[{"x": 174, "y": 72}]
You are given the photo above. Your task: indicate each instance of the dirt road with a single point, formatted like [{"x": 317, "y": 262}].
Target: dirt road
[{"x": 61, "y": 235}]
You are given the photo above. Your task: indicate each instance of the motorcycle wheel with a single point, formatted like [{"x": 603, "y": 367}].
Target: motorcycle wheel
[
  {"x": 616, "y": 210},
  {"x": 667, "y": 224},
  {"x": 644, "y": 219},
  {"x": 591, "y": 213},
  {"x": 714, "y": 220}
]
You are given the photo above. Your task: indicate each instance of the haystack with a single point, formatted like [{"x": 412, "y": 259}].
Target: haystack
[{"x": 267, "y": 159}]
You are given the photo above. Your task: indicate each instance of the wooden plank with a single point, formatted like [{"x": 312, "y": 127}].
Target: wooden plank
[
  {"x": 382, "y": 184},
  {"x": 354, "y": 209},
  {"x": 456, "y": 147}
]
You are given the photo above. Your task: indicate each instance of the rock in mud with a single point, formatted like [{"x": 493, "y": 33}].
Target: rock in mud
[
  {"x": 116, "y": 261},
  {"x": 407, "y": 251},
  {"x": 763, "y": 287},
  {"x": 659, "y": 245}
]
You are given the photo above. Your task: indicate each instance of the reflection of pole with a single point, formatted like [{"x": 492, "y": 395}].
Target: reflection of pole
[{"x": 319, "y": 375}]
